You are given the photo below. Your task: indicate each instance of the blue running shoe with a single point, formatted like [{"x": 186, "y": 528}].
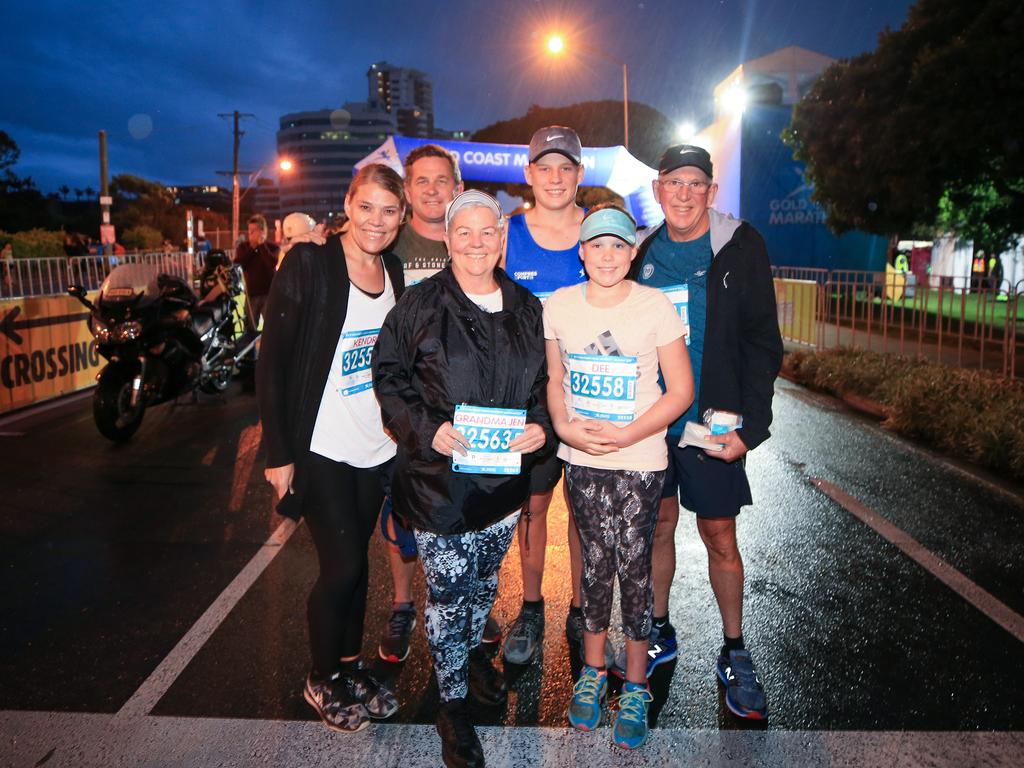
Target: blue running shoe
[
  {"x": 663, "y": 648},
  {"x": 744, "y": 694},
  {"x": 587, "y": 696},
  {"x": 630, "y": 729}
]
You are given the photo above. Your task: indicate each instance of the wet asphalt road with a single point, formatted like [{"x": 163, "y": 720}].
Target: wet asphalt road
[{"x": 111, "y": 553}]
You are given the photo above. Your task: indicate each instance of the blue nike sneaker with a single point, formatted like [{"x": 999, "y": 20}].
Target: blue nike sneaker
[
  {"x": 744, "y": 694},
  {"x": 663, "y": 648}
]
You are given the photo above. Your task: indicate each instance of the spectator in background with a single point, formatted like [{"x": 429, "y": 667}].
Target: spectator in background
[
  {"x": 299, "y": 228},
  {"x": 258, "y": 259},
  {"x": 7, "y": 256}
]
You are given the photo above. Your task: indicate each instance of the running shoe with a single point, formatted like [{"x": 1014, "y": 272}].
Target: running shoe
[
  {"x": 630, "y": 728},
  {"x": 492, "y": 631},
  {"x": 394, "y": 646},
  {"x": 525, "y": 636},
  {"x": 375, "y": 696},
  {"x": 744, "y": 694},
  {"x": 587, "y": 697},
  {"x": 335, "y": 704},
  {"x": 663, "y": 648},
  {"x": 460, "y": 746}
]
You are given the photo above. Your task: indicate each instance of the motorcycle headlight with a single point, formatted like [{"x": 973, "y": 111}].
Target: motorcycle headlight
[
  {"x": 126, "y": 332},
  {"x": 100, "y": 331}
]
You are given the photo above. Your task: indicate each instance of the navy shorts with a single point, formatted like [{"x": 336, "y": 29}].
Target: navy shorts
[
  {"x": 705, "y": 485},
  {"x": 545, "y": 476}
]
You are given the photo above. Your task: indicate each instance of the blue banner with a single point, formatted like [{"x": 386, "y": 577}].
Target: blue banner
[{"x": 611, "y": 167}]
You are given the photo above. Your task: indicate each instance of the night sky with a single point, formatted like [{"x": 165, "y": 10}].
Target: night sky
[{"x": 155, "y": 75}]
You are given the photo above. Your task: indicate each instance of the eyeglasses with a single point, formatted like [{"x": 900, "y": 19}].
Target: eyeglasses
[{"x": 676, "y": 185}]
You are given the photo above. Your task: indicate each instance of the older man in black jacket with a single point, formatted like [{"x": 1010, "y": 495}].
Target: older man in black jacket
[{"x": 715, "y": 269}]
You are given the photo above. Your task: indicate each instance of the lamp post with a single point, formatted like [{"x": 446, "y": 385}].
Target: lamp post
[{"x": 556, "y": 46}]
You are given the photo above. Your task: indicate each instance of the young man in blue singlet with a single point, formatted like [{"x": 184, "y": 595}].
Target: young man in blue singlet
[{"x": 542, "y": 254}]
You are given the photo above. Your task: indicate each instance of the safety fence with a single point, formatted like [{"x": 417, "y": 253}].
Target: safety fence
[
  {"x": 51, "y": 276},
  {"x": 966, "y": 322}
]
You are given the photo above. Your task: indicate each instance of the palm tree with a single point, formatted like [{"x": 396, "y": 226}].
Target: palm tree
[
  {"x": 78, "y": 194},
  {"x": 64, "y": 191},
  {"x": 90, "y": 193}
]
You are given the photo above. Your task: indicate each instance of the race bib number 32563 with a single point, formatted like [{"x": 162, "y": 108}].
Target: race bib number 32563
[
  {"x": 603, "y": 386},
  {"x": 488, "y": 432},
  {"x": 356, "y": 356}
]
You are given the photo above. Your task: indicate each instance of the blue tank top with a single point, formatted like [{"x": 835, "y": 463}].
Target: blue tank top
[{"x": 540, "y": 270}]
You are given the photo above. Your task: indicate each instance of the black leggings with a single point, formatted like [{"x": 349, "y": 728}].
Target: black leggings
[{"x": 341, "y": 507}]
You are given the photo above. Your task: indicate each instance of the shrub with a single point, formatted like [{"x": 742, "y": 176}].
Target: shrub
[
  {"x": 971, "y": 414},
  {"x": 142, "y": 238},
  {"x": 34, "y": 243}
]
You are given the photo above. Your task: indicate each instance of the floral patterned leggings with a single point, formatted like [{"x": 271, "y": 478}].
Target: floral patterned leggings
[
  {"x": 462, "y": 581},
  {"x": 616, "y": 512}
]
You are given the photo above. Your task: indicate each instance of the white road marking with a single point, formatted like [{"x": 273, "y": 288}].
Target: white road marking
[
  {"x": 85, "y": 740},
  {"x": 981, "y": 599},
  {"x": 163, "y": 677}
]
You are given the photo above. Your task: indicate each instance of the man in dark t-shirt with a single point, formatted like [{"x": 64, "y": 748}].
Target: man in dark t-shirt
[{"x": 259, "y": 261}]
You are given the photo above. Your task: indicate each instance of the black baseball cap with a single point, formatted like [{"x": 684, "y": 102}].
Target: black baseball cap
[
  {"x": 682, "y": 155},
  {"x": 556, "y": 138}
]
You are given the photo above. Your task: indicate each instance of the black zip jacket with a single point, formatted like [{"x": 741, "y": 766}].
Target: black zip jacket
[
  {"x": 742, "y": 343},
  {"x": 438, "y": 349},
  {"x": 305, "y": 313}
]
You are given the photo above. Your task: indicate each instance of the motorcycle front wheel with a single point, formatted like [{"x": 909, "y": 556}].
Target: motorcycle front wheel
[{"x": 111, "y": 405}]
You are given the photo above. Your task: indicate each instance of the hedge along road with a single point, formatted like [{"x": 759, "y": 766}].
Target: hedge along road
[{"x": 154, "y": 609}]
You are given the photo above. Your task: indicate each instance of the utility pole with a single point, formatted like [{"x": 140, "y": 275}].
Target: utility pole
[
  {"x": 233, "y": 173},
  {"x": 105, "y": 201}
]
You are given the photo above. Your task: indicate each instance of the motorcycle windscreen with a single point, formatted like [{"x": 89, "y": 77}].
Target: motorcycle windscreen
[{"x": 130, "y": 281}]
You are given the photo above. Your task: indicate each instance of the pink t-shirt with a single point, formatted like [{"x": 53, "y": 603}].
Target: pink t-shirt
[{"x": 616, "y": 390}]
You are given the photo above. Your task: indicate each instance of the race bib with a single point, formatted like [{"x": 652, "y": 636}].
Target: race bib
[
  {"x": 488, "y": 432},
  {"x": 679, "y": 295},
  {"x": 356, "y": 352},
  {"x": 603, "y": 386}
]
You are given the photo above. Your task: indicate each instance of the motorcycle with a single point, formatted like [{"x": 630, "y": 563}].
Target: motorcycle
[{"x": 161, "y": 340}]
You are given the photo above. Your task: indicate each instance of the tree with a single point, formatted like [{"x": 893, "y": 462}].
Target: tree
[
  {"x": 140, "y": 202},
  {"x": 924, "y": 131}
]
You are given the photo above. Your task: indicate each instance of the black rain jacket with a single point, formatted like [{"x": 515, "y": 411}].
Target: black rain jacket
[
  {"x": 742, "y": 343},
  {"x": 437, "y": 349}
]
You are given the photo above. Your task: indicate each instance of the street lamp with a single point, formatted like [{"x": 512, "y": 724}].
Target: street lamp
[{"x": 556, "y": 45}]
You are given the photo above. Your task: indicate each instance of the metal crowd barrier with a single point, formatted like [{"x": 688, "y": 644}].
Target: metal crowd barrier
[
  {"x": 966, "y": 322},
  {"x": 21, "y": 278}
]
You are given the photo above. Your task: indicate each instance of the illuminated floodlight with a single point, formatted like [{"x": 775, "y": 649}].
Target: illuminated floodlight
[
  {"x": 735, "y": 99},
  {"x": 285, "y": 165},
  {"x": 686, "y": 131},
  {"x": 556, "y": 44}
]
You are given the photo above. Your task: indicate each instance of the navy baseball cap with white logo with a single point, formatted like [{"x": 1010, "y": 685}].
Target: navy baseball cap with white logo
[
  {"x": 556, "y": 138},
  {"x": 682, "y": 155}
]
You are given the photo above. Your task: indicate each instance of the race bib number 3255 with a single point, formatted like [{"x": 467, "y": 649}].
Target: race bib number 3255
[
  {"x": 356, "y": 356},
  {"x": 488, "y": 432},
  {"x": 603, "y": 386}
]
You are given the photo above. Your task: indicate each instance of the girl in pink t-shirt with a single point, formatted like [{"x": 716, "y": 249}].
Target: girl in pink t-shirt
[{"x": 606, "y": 340}]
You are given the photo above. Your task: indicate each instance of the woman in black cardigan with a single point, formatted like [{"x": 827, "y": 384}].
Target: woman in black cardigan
[{"x": 328, "y": 456}]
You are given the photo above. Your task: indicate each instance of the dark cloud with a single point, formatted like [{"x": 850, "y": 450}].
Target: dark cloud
[{"x": 74, "y": 68}]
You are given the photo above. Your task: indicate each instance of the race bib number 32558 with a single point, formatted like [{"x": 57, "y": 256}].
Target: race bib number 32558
[{"x": 603, "y": 386}]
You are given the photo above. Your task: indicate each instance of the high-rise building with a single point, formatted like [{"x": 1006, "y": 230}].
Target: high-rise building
[
  {"x": 323, "y": 146},
  {"x": 407, "y": 94}
]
